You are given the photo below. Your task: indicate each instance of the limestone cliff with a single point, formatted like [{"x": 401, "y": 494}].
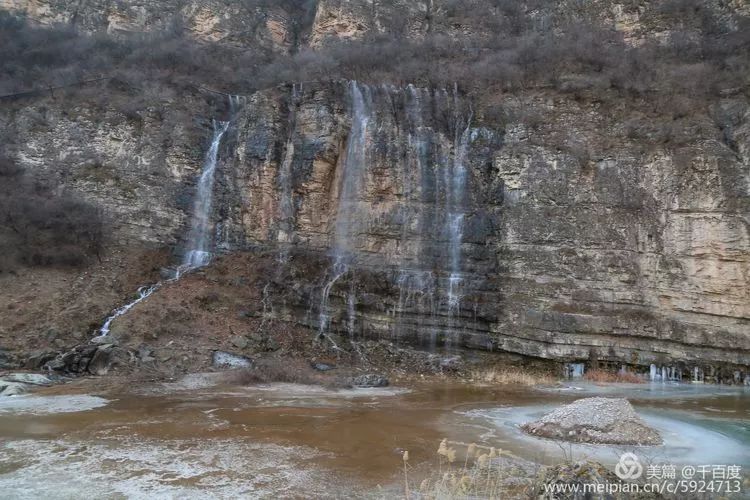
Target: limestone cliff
[
  {"x": 230, "y": 23},
  {"x": 618, "y": 253}
]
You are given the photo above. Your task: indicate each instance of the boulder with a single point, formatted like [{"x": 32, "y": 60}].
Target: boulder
[
  {"x": 100, "y": 362},
  {"x": 57, "y": 364},
  {"x": 272, "y": 345},
  {"x": 37, "y": 359},
  {"x": 28, "y": 378},
  {"x": 106, "y": 339},
  {"x": 370, "y": 380},
  {"x": 8, "y": 388},
  {"x": 595, "y": 420},
  {"x": 322, "y": 367},
  {"x": 68, "y": 362},
  {"x": 6, "y": 360},
  {"x": 239, "y": 342},
  {"x": 222, "y": 359},
  {"x": 145, "y": 354},
  {"x": 257, "y": 337},
  {"x": 14, "y": 384},
  {"x": 92, "y": 358}
]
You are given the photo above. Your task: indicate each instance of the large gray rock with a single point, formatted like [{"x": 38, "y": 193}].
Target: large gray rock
[
  {"x": 37, "y": 359},
  {"x": 28, "y": 378},
  {"x": 14, "y": 384},
  {"x": 222, "y": 359},
  {"x": 595, "y": 420},
  {"x": 100, "y": 361},
  {"x": 8, "y": 388},
  {"x": 105, "y": 340},
  {"x": 6, "y": 360},
  {"x": 239, "y": 342},
  {"x": 96, "y": 359},
  {"x": 370, "y": 380}
]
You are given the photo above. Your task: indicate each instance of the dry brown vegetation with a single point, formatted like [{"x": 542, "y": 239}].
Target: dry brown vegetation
[
  {"x": 40, "y": 226},
  {"x": 472, "y": 471},
  {"x": 289, "y": 370},
  {"x": 605, "y": 376},
  {"x": 55, "y": 308},
  {"x": 513, "y": 375},
  {"x": 208, "y": 308},
  {"x": 502, "y": 46}
]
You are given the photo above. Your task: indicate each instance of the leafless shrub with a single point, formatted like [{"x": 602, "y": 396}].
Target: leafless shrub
[
  {"x": 288, "y": 370},
  {"x": 605, "y": 376},
  {"x": 513, "y": 375},
  {"x": 41, "y": 228}
]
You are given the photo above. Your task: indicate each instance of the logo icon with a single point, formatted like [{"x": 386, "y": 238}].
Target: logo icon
[{"x": 629, "y": 467}]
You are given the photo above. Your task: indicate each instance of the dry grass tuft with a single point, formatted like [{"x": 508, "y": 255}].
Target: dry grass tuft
[
  {"x": 513, "y": 375},
  {"x": 292, "y": 371},
  {"x": 604, "y": 376},
  {"x": 482, "y": 475}
]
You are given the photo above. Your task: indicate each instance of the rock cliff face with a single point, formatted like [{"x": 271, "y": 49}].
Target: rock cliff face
[
  {"x": 565, "y": 231},
  {"x": 236, "y": 24},
  {"x": 137, "y": 169},
  {"x": 495, "y": 238},
  {"x": 396, "y": 195}
]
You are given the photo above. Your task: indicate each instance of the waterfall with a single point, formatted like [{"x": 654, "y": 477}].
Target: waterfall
[
  {"x": 403, "y": 129},
  {"x": 456, "y": 200},
  {"x": 143, "y": 293},
  {"x": 235, "y": 103},
  {"x": 348, "y": 202},
  {"x": 340, "y": 268},
  {"x": 574, "y": 370},
  {"x": 416, "y": 286},
  {"x": 200, "y": 237},
  {"x": 351, "y": 303},
  {"x": 417, "y": 289},
  {"x": 198, "y": 254},
  {"x": 286, "y": 203},
  {"x": 664, "y": 373},
  {"x": 352, "y": 175},
  {"x": 198, "y": 243}
]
